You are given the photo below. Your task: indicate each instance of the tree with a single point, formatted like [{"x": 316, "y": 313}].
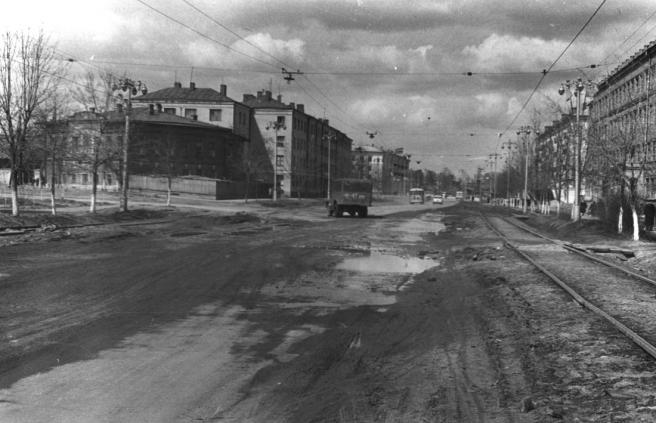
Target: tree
[
  {"x": 28, "y": 76},
  {"x": 52, "y": 141}
]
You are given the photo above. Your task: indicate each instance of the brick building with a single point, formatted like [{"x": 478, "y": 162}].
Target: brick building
[{"x": 160, "y": 144}]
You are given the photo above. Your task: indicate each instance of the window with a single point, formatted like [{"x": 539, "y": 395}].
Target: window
[
  {"x": 85, "y": 178},
  {"x": 169, "y": 110},
  {"x": 281, "y": 120},
  {"x": 190, "y": 113},
  {"x": 215, "y": 115},
  {"x": 280, "y": 160},
  {"x": 280, "y": 141}
]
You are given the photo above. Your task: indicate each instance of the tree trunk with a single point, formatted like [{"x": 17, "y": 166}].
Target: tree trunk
[
  {"x": 620, "y": 220},
  {"x": 168, "y": 190},
  {"x": 636, "y": 228},
  {"x": 14, "y": 192},
  {"x": 53, "y": 204},
  {"x": 94, "y": 190}
]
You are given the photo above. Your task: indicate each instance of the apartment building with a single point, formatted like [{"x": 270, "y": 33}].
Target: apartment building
[
  {"x": 161, "y": 144},
  {"x": 388, "y": 170},
  {"x": 304, "y": 150},
  {"x": 203, "y": 104},
  {"x": 623, "y": 115}
]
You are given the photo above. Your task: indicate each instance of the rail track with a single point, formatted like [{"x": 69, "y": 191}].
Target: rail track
[{"x": 624, "y": 298}]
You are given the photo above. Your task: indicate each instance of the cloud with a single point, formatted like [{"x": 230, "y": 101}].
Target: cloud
[{"x": 499, "y": 53}]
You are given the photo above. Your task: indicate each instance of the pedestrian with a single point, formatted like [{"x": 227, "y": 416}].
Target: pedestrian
[
  {"x": 649, "y": 216},
  {"x": 584, "y": 207}
]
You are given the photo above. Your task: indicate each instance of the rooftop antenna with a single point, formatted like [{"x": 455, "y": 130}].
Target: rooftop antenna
[{"x": 191, "y": 76}]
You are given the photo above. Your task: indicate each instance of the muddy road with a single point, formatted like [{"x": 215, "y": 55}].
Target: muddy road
[{"x": 417, "y": 316}]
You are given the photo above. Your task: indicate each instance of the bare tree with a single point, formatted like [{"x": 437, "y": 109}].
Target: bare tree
[
  {"x": 95, "y": 92},
  {"x": 51, "y": 145},
  {"x": 28, "y": 76}
]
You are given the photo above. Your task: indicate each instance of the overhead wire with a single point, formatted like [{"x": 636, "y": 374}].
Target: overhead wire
[{"x": 546, "y": 71}]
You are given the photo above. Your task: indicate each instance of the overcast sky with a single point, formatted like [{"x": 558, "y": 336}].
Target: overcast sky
[{"x": 393, "y": 67}]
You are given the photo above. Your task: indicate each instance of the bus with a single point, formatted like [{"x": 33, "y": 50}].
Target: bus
[{"x": 416, "y": 195}]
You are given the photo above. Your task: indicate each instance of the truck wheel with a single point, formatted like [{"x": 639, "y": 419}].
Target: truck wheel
[
  {"x": 339, "y": 212},
  {"x": 363, "y": 212}
]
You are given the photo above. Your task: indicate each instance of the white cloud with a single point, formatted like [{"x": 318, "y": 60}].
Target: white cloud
[
  {"x": 510, "y": 53},
  {"x": 293, "y": 49},
  {"x": 68, "y": 19}
]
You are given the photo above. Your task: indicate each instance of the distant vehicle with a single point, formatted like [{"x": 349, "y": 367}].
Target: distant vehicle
[
  {"x": 438, "y": 200},
  {"x": 416, "y": 196},
  {"x": 476, "y": 199},
  {"x": 450, "y": 198},
  {"x": 459, "y": 195},
  {"x": 352, "y": 196}
]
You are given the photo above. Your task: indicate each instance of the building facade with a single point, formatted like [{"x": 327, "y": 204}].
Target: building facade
[
  {"x": 554, "y": 158},
  {"x": 388, "y": 170},
  {"x": 203, "y": 104},
  {"x": 305, "y": 151},
  {"x": 160, "y": 144},
  {"x": 623, "y": 116}
]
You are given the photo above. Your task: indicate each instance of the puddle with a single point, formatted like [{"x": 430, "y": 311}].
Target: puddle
[
  {"x": 281, "y": 352},
  {"x": 412, "y": 230},
  {"x": 386, "y": 263}
]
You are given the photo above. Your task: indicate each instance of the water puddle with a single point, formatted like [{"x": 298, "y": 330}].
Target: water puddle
[
  {"x": 413, "y": 230},
  {"x": 386, "y": 263}
]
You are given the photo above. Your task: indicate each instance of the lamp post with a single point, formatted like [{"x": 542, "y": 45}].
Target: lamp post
[
  {"x": 276, "y": 126},
  {"x": 329, "y": 138},
  {"x": 525, "y": 131},
  {"x": 127, "y": 88},
  {"x": 575, "y": 88},
  {"x": 508, "y": 146}
]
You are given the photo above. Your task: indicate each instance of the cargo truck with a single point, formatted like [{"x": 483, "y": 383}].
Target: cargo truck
[{"x": 352, "y": 196}]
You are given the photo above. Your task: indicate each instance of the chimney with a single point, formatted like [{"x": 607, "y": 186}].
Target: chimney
[
  {"x": 300, "y": 108},
  {"x": 151, "y": 109},
  {"x": 279, "y": 98},
  {"x": 159, "y": 107},
  {"x": 292, "y": 105},
  {"x": 259, "y": 95},
  {"x": 177, "y": 85},
  {"x": 192, "y": 85},
  {"x": 223, "y": 89},
  {"x": 248, "y": 97},
  {"x": 268, "y": 95}
]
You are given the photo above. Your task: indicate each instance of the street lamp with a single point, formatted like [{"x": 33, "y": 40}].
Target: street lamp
[
  {"x": 329, "y": 138},
  {"x": 276, "y": 126},
  {"x": 525, "y": 131},
  {"x": 575, "y": 88},
  {"x": 507, "y": 145},
  {"x": 126, "y": 88}
]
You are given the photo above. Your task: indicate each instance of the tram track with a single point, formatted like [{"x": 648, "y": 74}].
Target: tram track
[{"x": 625, "y": 299}]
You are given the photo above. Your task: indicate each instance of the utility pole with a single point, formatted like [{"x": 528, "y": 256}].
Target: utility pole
[
  {"x": 329, "y": 138},
  {"x": 130, "y": 87}
]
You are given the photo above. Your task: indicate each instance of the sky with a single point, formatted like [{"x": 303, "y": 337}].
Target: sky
[{"x": 446, "y": 80}]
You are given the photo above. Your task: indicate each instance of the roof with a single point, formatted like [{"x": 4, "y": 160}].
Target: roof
[
  {"x": 144, "y": 115},
  {"x": 368, "y": 149},
  {"x": 180, "y": 94},
  {"x": 265, "y": 102}
]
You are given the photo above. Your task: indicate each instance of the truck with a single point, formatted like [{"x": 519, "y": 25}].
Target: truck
[{"x": 349, "y": 195}]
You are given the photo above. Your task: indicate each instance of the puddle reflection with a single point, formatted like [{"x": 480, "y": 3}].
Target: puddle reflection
[{"x": 386, "y": 263}]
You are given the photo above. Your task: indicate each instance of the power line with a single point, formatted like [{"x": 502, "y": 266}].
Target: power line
[
  {"x": 546, "y": 71},
  {"x": 631, "y": 35},
  {"x": 207, "y": 37},
  {"x": 234, "y": 33}
]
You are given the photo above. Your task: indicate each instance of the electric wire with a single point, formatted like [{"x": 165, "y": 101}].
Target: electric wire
[
  {"x": 207, "y": 37},
  {"x": 546, "y": 71}
]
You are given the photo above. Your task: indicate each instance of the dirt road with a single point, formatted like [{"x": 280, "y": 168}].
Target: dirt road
[{"x": 421, "y": 316}]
